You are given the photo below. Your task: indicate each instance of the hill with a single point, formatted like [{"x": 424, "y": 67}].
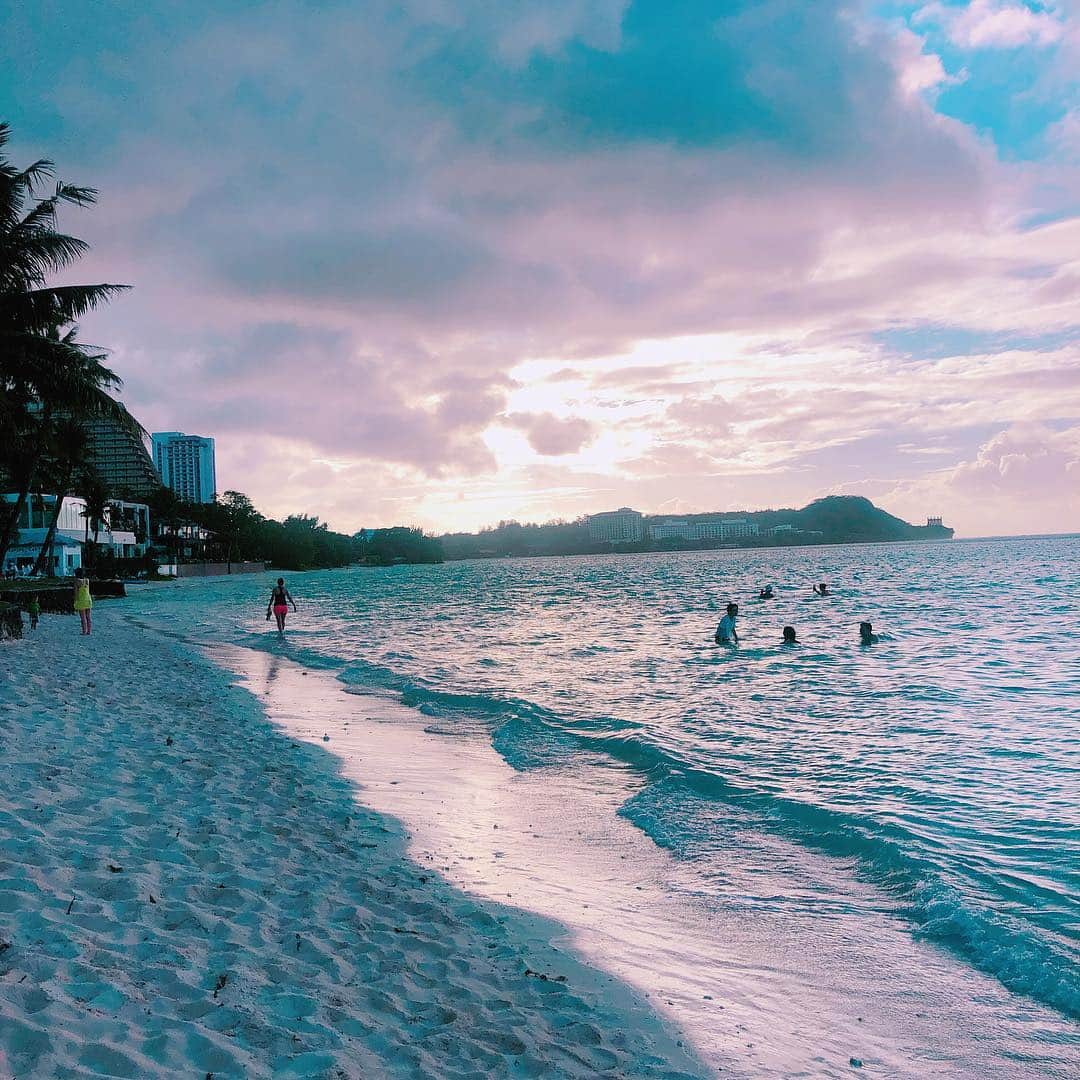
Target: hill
[{"x": 835, "y": 519}]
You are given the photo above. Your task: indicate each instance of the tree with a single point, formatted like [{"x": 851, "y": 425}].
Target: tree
[
  {"x": 95, "y": 493},
  {"x": 234, "y": 521},
  {"x": 44, "y": 371},
  {"x": 65, "y": 451}
]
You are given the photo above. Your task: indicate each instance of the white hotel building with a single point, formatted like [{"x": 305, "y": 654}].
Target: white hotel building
[
  {"x": 718, "y": 529},
  {"x": 113, "y": 535},
  {"x": 622, "y": 526}
]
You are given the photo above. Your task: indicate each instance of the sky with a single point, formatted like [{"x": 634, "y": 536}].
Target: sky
[{"x": 448, "y": 262}]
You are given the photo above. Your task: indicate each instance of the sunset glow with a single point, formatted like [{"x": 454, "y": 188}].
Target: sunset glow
[{"x": 448, "y": 264}]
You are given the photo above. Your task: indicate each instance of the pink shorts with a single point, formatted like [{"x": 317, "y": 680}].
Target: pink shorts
[{"x": 281, "y": 609}]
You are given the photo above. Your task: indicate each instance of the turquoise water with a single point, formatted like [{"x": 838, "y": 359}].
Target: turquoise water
[{"x": 941, "y": 765}]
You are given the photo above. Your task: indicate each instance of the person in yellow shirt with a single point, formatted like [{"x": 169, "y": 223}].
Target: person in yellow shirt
[{"x": 83, "y": 600}]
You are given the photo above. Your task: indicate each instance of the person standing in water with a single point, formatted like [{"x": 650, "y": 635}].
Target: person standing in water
[
  {"x": 789, "y": 637},
  {"x": 34, "y": 610},
  {"x": 726, "y": 633},
  {"x": 821, "y": 590},
  {"x": 83, "y": 602},
  {"x": 866, "y": 633},
  {"x": 280, "y": 599}
]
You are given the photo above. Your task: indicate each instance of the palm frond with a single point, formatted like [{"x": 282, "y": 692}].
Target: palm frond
[
  {"x": 27, "y": 257},
  {"x": 39, "y": 309},
  {"x": 72, "y": 193}
]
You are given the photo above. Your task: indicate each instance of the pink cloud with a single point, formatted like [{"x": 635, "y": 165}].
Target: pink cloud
[
  {"x": 552, "y": 435},
  {"x": 1025, "y": 478}
]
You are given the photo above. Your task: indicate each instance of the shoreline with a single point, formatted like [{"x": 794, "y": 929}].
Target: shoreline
[
  {"x": 754, "y": 997},
  {"x": 160, "y": 920}
]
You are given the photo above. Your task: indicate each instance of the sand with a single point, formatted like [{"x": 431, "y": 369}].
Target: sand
[{"x": 184, "y": 891}]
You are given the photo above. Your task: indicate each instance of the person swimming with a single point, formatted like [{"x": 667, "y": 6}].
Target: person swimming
[
  {"x": 789, "y": 636},
  {"x": 726, "y": 633},
  {"x": 822, "y": 589},
  {"x": 866, "y": 633},
  {"x": 766, "y": 593},
  {"x": 280, "y": 599}
]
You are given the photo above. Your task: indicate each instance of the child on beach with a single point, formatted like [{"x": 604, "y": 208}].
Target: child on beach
[
  {"x": 33, "y": 609},
  {"x": 83, "y": 601},
  {"x": 280, "y": 599}
]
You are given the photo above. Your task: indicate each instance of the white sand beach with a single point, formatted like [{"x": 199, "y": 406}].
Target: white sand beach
[{"x": 186, "y": 891}]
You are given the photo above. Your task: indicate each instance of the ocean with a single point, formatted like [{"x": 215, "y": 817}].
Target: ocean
[{"x": 932, "y": 777}]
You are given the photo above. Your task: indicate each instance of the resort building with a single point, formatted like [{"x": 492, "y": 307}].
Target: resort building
[
  {"x": 622, "y": 526},
  {"x": 671, "y": 530},
  {"x": 735, "y": 528},
  {"x": 186, "y": 464},
  {"x": 122, "y": 459},
  {"x": 715, "y": 529},
  {"x": 125, "y": 532}
]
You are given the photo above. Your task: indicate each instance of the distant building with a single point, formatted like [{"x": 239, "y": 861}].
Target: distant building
[
  {"x": 934, "y": 523},
  {"x": 738, "y": 528},
  {"x": 714, "y": 529},
  {"x": 122, "y": 460},
  {"x": 622, "y": 526},
  {"x": 186, "y": 464},
  {"x": 671, "y": 530}
]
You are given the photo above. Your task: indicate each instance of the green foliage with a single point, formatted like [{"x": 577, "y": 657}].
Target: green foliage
[
  {"x": 45, "y": 372},
  {"x": 385, "y": 547},
  {"x": 514, "y": 538},
  {"x": 239, "y": 532}
]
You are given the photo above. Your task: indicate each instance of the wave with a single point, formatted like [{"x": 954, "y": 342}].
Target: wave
[
  {"x": 887, "y": 857},
  {"x": 529, "y": 736}
]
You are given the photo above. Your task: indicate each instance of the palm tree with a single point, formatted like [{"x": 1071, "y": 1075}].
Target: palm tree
[
  {"x": 44, "y": 371},
  {"x": 95, "y": 493},
  {"x": 66, "y": 453}
]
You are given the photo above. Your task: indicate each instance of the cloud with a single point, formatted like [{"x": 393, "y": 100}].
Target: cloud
[
  {"x": 1024, "y": 478},
  {"x": 553, "y": 435},
  {"x": 351, "y": 230},
  {"x": 993, "y": 24},
  {"x": 1027, "y": 460}
]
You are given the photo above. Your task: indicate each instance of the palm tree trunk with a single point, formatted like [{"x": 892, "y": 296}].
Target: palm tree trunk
[
  {"x": 11, "y": 520},
  {"x": 86, "y": 541},
  {"x": 47, "y": 544},
  {"x": 23, "y": 485}
]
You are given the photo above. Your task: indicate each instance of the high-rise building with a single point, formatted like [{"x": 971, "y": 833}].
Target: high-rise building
[
  {"x": 186, "y": 464},
  {"x": 122, "y": 459}
]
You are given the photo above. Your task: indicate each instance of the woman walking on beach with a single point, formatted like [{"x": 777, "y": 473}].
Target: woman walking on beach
[
  {"x": 83, "y": 601},
  {"x": 280, "y": 599}
]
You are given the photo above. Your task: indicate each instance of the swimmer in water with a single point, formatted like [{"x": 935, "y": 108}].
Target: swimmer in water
[
  {"x": 789, "y": 636},
  {"x": 726, "y": 633},
  {"x": 821, "y": 590},
  {"x": 866, "y": 633},
  {"x": 766, "y": 593}
]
